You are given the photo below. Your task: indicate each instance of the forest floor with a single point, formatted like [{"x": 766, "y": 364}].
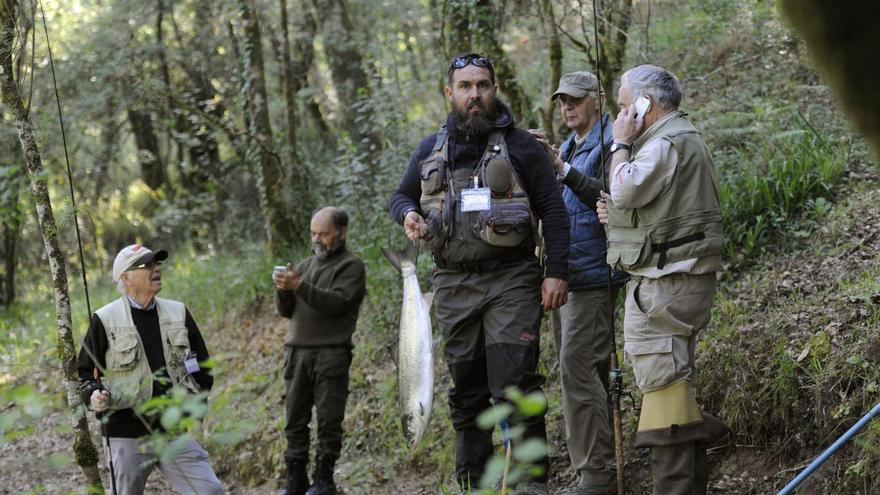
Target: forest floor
[{"x": 794, "y": 282}]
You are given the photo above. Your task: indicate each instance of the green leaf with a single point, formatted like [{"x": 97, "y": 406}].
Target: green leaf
[
  {"x": 493, "y": 471},
  {"x": 492, "y": 416},
  {"x": 532, "y": 450},
  {"x": 533, "y": 404},
  {"x": 171, "y": 417}
]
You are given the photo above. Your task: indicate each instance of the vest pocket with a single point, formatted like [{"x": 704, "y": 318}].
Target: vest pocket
[
  {"x": 432, "y": 172},
  {"x": 123, "y": 351},
  {"x": 505, "y": 225}
]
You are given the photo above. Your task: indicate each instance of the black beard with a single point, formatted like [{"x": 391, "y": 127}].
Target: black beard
[
  {"x": 475, "y": 124},
  {"x": 324, "y": 252}
]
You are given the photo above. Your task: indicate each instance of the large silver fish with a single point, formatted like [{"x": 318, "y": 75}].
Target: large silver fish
[{"x": 415, "y": 362}]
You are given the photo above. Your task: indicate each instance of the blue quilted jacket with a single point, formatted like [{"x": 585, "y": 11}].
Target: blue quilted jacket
[{"x": 586, "y": 257}]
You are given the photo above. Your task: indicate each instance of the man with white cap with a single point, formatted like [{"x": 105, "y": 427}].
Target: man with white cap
[{"x": 138, "y": 347}]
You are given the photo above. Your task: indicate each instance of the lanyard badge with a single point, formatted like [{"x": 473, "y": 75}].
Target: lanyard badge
[
  {"x": 191, "y": 362},
  {"x": 476, "y": 198}
]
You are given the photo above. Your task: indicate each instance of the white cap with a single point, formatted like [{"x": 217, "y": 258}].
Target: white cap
[{"x": 135, "y": 255}]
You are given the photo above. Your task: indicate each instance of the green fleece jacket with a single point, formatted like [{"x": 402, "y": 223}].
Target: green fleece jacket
[{"x": 323, "y": 310}]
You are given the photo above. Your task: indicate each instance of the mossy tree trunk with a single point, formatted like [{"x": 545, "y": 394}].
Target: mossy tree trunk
[
  {"x": 261, "y": 150},
  {"x": 10, "y": 222},
  {"x": 84, "y": 450},
  {"x": 298, "y": 181},
  {"x": 555, "y": 53},
  {"x": 615, "y": 17},
  {"x": 343, "y": 44}
]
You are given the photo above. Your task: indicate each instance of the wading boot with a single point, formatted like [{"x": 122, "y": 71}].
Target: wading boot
[
  {"x": 324, "y": 484},
  {"x": 297, "y": 481}
]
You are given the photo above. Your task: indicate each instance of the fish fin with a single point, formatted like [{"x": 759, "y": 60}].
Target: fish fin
[
  {"x": 421, "y": 409},
  {"x": 397, "y": 257},
  {"x": 392, "y": 348},
  {"x": 428, "y": 298},
  {"x": 435, "y": 345}
]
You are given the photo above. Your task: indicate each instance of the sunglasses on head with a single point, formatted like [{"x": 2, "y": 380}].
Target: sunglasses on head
[
  {"x": 475, "y": 60},
  {"x": 148, "y": 266}
]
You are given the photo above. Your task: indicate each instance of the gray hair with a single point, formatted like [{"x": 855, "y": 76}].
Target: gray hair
[{"x": 662, "y": 85}]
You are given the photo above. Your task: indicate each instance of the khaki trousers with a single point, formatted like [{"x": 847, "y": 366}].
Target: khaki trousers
[
  {"x": 188, "y": 472},
  {"x": 663, "y": 318},
  {"x": 584, "y": 351}
]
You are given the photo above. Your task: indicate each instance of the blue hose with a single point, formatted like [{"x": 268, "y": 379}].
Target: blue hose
[{"x": 789, "y": 488}]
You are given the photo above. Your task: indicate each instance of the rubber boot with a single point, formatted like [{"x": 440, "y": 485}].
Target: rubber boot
[
  {"x": 324, "y": 484},
  {"x": 674, "y": 468},
  {"x": 297, "y": 479}
]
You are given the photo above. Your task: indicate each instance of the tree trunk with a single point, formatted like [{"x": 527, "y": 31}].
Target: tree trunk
[
  {"x": 10, "y": 220},
  {"x": 84, "y": 450},
  {"x": 267, "y": 164},
  {"x": 615, "y": 19},
  {"x": 298, "y": 175},
  {"x": 555, "y": 49},
  {"x": 350, "y": 79},
  {"x": 152, "y": 167},
  {"x": 306, "y": 30}
]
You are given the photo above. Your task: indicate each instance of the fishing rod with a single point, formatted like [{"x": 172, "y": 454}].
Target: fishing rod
[
  {"x": 615, "y": 373},
  {"x": 789, "y": 488},
  {"x": 97, "y": 371}
]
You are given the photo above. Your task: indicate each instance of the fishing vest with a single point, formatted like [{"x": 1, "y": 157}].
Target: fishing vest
[
  {"x": 467, "y": 241},
  {"x": 684, "y": 221},
  {"x": 128, "y": 376}
]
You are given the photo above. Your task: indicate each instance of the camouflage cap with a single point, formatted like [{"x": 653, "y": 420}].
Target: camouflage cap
[{"x": 576, "y": 84}]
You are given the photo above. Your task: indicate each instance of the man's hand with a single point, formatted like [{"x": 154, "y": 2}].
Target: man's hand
[
  {"x": 100, "y": 399},
  {"x": 626, "y": 128},
  {"x": 554, "y": 293},
  {"x": 553, "y": 151},
  {"x": 414, "y": 226},
  {"x": 602, "y": 207},
  {"x": 286, "y": 280}
]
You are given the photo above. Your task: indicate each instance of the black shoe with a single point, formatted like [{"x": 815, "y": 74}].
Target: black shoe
[
  {"x": 324, "y": 484},
  {"x": 297, "y": 481}
]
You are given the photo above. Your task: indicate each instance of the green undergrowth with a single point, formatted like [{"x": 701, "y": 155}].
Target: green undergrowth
[{"x": 790, "y": 359}]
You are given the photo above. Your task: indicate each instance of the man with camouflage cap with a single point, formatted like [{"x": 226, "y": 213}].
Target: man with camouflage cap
[{"x": 583, "y": 329}]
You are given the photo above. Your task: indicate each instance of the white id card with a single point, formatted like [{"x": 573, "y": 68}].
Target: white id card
[
  {"x": 191, "y": 363},
  {"x": 476, "y": 199}
]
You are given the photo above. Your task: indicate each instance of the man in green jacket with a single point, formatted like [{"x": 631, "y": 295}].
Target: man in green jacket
[
  {"x": 664, "y": 228},
  {"x": 321, "y": 296}
]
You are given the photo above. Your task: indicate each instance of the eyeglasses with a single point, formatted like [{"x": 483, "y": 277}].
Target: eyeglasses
[
  {"x": 148, "y": 266},
  {"x": 475, "y": 60}
]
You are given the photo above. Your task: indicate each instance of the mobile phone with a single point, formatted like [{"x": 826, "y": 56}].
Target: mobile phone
[
  {"x": 643, "y": 104},
  {"x": 279, "y": 268}
]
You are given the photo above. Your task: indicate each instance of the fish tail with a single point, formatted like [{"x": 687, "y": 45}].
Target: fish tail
[{"x": 397, "y": 257}]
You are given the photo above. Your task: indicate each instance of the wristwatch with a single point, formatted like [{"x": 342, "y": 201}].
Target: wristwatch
[{"x": 620, "y": 146}]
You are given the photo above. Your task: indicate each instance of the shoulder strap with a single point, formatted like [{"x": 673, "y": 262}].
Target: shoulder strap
[
  {"x": 441, "y": 144},
  {"x": 497, "y": 139}
]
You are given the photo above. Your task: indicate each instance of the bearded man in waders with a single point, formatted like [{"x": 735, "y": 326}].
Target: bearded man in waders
[
  {"x": 473, "y": 193},
  {"x": 664, "y": 228},
  {"x": 142, "y": 347}
]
